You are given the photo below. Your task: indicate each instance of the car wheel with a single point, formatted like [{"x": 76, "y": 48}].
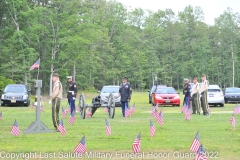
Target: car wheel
[
  {"x": 2, "y": 104},
  {"x": 221, "y": 105},
  {"x": 150, "y": 102},
  {"x": 28, "y": 103}
]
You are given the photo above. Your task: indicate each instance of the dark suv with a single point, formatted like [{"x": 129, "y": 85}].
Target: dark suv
[
  {"x": 153, "y": 88},
  {"x": 15, "y": 94}
]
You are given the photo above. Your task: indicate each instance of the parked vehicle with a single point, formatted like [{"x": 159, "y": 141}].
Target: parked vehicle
[
  {"x": 165, "y": 96},
  {"x": 215, "y": 95},
  {"x": 232, "y": 95},
  {"x": 102, "y": 98},
  {"x": 151, "y": 91},
  {"x": 15, "y": 94}
]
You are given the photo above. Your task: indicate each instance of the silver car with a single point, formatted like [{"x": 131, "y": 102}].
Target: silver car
[
  {"x": 106, "y": 90},
  {"x": 215, "y": 95}
]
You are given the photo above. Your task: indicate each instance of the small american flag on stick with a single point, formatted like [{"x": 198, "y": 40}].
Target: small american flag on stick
[
  {"x": 196, "y": 143},
  {"x": 105, "y": 109},
  {"x": 201, "y": 154},
  {"x": 236, "y": 109},
  {"x": 184, "y": 109},
  {"x": 136, "y": 144},
  {"x": 108, "y": 128},
  {"x": 61, "y": 128},
  {"x": 188, "y": 114},
  {"x": 154, "y": 112},
  {"x": 152, "y": 129},
  {"x": 132, "y": 109},
  {"x": 72, "y": 118},
  {"x": 159, "y": 118},
  {"x": 127, "y": 112},
  {"x": 89, "y": 113},
  {"x": 81, "y": 147},
  {"x": 232, "y": 120},
  {"x": 15, "y": 129}
]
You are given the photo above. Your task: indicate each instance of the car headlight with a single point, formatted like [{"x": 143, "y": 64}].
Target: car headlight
[
  {"x": 2, "y": 96},
  {"x": 25, "y": 96}
]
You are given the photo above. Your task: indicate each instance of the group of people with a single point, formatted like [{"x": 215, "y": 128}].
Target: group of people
[
  {"x": 198, "y": 95},
  {"x": 125, "y": 91}
]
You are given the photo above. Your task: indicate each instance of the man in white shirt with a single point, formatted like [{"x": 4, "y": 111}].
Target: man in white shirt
[
  {"x": 195, "y": 96},
  {"x": 203, "y": 90}
]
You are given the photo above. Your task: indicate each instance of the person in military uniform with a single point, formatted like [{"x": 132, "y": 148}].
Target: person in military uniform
[
  {"x": 72, "y": 93},
  {"x": 56, "y": 99},
  {"x": 125, "y": 91},
  {"x": 186, "y": 93},
  {"x": 203, "y": 90},
  {"x": 195, "y": 96}
]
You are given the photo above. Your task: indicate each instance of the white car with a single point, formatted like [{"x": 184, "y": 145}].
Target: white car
[
  {"x": 106, "y": 90},
  {"x": 215, "y": 95}
]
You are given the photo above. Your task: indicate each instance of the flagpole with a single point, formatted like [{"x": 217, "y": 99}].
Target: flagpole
[{"x": 38, "y": 69}]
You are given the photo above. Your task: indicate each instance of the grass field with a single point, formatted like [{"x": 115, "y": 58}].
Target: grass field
[{"x": 171, "y": 141}]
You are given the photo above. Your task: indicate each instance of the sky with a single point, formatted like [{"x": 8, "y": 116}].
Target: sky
[{"x": 211, "y": 8}]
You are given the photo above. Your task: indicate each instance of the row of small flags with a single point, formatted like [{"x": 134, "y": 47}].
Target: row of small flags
[{"x": 158, "y": 115}]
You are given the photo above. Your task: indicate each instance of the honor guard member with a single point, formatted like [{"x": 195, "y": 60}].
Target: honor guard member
[
  {"x": 125, "y": 91},
  {"x": 72, "y": 93},
  {"x": 195, "y": 96},
  {"x": 56, "y": 99},
  {"x": 186, "y": 93},
  {"x": 203, "y": 90}
]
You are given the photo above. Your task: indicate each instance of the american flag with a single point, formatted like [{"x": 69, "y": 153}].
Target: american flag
[
  {"x": 196, "y": 143},
  {"x": 61, "y": 128},
  {"x": 35, "y": 65},
  {"x": 188, "y": 114},
  {"x": 232, "y": 120},
  {"x": 89, "y": 113},
  {"x": 0, "y": 115},
  {"x": 63, "y": 113},
  {"x": 136, "y": 144},
  {"x": 127, "y": 112},
  {"x": 184, "y": 109},
  {"x": 108, "y": 128},
  {"x": 152, "y": 129},
  {"x": 15, "y": 129},
  {"x": 154, "y": 112},
  {"x": 236, "y": 109},
  {"x": 132, "y": 109},
  {"x": 201, "y": 154},
  {"x": 106, "y": 110},
  {"x": 159, "y": 118},
  {"x": 81, "y": 147},
  {"x": 71, "y": 119},
  {"x": 41, "y": 109}
]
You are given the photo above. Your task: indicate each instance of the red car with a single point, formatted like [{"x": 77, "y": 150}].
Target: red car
[{"x": 166, "y": 96}]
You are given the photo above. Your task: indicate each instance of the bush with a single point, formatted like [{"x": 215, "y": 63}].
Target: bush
[{"x": 5, "y": 81}]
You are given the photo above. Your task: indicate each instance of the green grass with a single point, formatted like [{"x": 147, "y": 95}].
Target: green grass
[{"x": 216, "y": 132}]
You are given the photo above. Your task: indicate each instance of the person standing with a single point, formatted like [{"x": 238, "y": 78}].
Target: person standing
[
  {"x": 72, "y": 93},
  {"x": 195, "y": 96},
  {"x": 203, "y": 90},
  {"x": 56, "y": 99},
  {"x": 125, "y": 91},
  {"x": 186, "y": 92}
]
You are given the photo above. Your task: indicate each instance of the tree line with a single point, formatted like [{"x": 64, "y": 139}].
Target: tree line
[{"x": 99, "y": 42}]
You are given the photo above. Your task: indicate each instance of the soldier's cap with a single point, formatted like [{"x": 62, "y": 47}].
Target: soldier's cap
[
  {"x": 55, "y": 75},
  {"x": 124, "y": 78},
  {"x": 186, "y": 79},
  {"x": 69, "y": 77}
]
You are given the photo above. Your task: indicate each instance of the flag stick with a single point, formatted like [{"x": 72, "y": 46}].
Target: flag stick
[
  {"x": 38, "y": 69},
  {"x": 234, "y": 127}
]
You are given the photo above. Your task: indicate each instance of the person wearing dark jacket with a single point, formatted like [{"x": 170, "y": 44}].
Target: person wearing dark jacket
[
  {"x": 72, "y": 93},
  {"x": 125, "y": 91},
  {"x": 187, "y": 93}
]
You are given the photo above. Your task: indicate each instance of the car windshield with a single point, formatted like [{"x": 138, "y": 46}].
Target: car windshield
[
  {"x": 16, "y": 89},
  {"x": 165, "y": 91},
  {"x": 110, "y": 90},
  {"x": 214, "y": 90},
  {"x": 232, "y": 90}
]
